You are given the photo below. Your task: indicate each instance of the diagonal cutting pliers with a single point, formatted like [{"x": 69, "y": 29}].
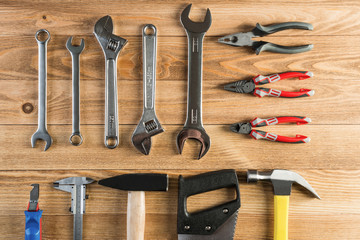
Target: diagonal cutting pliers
[
  {"x": 249, "y": 86},
  {"x": 245, "y": 39},
  {"x": 246, "y": 128}
]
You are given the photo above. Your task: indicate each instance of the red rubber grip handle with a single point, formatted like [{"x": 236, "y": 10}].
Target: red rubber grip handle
[
  {"x": 260, "y": 79},
  {"x": 257, "y": 134},
  {"x": 259, "y": 122},
  {"x": 262, "y": 92}
]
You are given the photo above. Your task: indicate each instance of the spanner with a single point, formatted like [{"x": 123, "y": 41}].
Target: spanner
[
  {"x": 149, "y": 125},
  {"x": 42, "y": 133},
  {"x": 75, "y": 138},
  {"x": 193, "y": 127},
  {"x": 111, "y": 46}
]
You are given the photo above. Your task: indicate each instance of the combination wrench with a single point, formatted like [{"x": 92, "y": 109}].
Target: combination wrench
[
  {"x": 42, "y": 133},
  {"x": 111, "y": 46},
  {"x": 193, "y": 127},
  {"x": 149, "y": 125},
  {"x": 76, "y": 138}
]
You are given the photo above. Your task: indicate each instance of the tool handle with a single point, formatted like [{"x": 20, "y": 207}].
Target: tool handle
[
  {"x": 261, "y": 31},
  {"x": 261, "y": 80},
  {"x": 281, "y": 208},
  {"x": 261, "y": 46},
  {"x": 33, "y": 225},
  {"x": 259, "y": 122},
  {"x": 262, "y": 92},
  {"x": 111, "y": 105},
  {"x": 214, "y": 216},
  {"x": 136, "y": 215},
  {"x": 257, "y": 134}
]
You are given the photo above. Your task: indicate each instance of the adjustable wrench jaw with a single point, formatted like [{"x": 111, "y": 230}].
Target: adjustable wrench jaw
[
  {"x": 148, "y": 126},
  {"x": 110, "y": 43}
]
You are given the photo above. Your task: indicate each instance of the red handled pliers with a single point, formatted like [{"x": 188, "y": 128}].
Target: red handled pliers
[
  {"x": 248, "y": 86},
  {"x": 246, "y": 128}
]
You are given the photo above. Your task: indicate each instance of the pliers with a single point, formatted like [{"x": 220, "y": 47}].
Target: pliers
[
  {"x": 246, "y": 128},
  {"x": 33, "y": 216},
  {"x": 245, "y": 39},
  {"x": 248, "y": 86}
]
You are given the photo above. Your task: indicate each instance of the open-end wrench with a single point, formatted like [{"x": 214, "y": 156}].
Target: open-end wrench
[
  {"x": 42, "y": 133},
  {"x": 75, "y": 138},
  {"x": 111, "y": 46},
  {"x": 193, "y": 127},
  {"x": 149, "y": 125}
]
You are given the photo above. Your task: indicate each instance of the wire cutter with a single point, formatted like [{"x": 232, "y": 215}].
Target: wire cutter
[
  {"x": 248, "y": 86},
  {"x": 246, "y": 128},
  {"x": 33, "y": 216},
  {"x": 245, "y": 39}
]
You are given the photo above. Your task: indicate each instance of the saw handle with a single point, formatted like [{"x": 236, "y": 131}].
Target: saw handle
[
  {"x": 136, "y": 215},
  {"x": 195, "y": 223},
  {"x": 33, "y": 225},
  {"x": 281, "y": 208}
]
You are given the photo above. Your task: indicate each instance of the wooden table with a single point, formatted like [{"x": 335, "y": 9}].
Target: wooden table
[{"x": 330, "y": 162}]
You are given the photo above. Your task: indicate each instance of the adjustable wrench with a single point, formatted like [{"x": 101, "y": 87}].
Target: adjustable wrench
[
  {"x": 111, "y": 46},
  {"x": 149, "y": 125},
  {"x": 42, "y": 133},
  {"x": 75, "y": 138},
  {"x": 193, "y": 127}
]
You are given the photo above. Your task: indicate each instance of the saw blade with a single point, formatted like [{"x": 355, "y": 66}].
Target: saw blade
[{"x": 224, "y": 232}]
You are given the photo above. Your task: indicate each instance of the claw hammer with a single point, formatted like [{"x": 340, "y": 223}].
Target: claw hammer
[{"x": 282, "y": 181}]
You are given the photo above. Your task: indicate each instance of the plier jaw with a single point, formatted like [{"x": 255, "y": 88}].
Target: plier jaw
[
  {"x": 243, "y": 128},
  {"x": 238, "y": 39},
  {"x": 242, "y": 86}
]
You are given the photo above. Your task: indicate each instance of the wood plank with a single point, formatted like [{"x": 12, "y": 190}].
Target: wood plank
[
  {"x": 79, "y": 18},
  {"x": 330, "y": 59},
  {"x": 332, "y": 147},
  {"x": 106, "y": 208},
  {"x": 19, "y": 105}
]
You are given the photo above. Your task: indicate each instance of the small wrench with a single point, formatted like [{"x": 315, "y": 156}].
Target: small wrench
[
  {"x": 193, "y": 127},
  {"x": 42, "y": 133},
  {"x": 111, "y": 46},
  {"x": 75, "y": 139},
  {"x": 149, "y": 125}
]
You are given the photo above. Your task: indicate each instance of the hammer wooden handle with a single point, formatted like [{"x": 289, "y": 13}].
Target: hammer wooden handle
[
  {"x": 136, "y": 215},
  {"x": 281, "y": 208}
]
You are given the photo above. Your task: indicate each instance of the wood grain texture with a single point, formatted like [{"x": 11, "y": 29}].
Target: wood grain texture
[{"x": 330, "y": 162}]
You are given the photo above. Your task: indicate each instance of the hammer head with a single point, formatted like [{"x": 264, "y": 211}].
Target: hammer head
[
  {"x": 138, "y": 182},
  {"x": 282, "y": 180}
]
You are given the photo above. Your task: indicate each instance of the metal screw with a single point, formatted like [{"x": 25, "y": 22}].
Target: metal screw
[
  {"x": 187, "y": 227},
  {"x": 208, "y": 228},
  {"x": 225, "y": 210}
]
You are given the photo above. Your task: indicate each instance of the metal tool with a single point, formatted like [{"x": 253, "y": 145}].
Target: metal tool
[
  {"x": 42, "y": 133},
  {"x": 137, "y": 184},
  {"x": 111, "y": 46},
  {"x": 75, "y": 139},
  {"x": 282, "y": 181},
  {"x": 33, "y": 216},
  {"x": 245, "y": 39},
  {"x": 216, "y": 223},
  {"x": 77, "y": 187},
  {"x": 149, "y": 125},
  {"x": 248, "y": 86},
  {"x": 193, "y": 127},
  {"x": 246, "y": 128}
]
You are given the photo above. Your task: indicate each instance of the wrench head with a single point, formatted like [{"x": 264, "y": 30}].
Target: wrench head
[
  {"x": 110, "y": 43},
  {"x": 195, "y": 27},
  {"x": 41, "y": 135},
  {"x": 197, "y": 134},
  {"x": 141, "y": 137},
  {"x": 75, "y": 49}
]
